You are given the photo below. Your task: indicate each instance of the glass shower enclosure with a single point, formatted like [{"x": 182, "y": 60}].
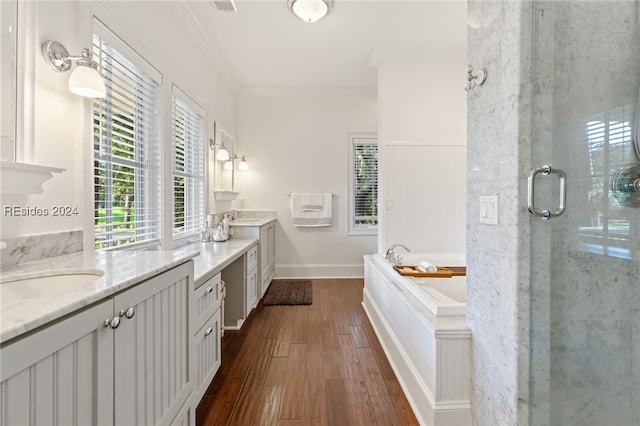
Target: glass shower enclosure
[{"x": 585, "y": 289}]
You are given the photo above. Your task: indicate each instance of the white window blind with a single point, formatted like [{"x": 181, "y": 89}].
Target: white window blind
[
  {"x": 364, "y": 186},
  {"x": 188, "y": 166},
  {"x": 127, "y": 142}
]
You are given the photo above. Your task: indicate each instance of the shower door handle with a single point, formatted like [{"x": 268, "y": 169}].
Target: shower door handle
[{"x": 562, "y": 199}]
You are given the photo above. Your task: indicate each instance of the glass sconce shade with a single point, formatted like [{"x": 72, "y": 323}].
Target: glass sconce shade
[
  {"x": 228, "y": 165},
  {"x": 222, "y": 154},
  {"x": 86, "y": 81},
  {"x": 242, "y": 165}
]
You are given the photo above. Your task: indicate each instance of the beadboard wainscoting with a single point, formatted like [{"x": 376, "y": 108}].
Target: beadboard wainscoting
[{"x": 424, "y": 196}]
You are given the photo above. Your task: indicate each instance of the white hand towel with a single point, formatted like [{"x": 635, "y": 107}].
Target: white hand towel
[
  {"x": 426, "y": 266},
  {"x": 306, "y": 218},
  {"x": 312, "y": 201}
]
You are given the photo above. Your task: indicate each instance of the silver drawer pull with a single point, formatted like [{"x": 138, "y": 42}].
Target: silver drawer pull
[
  {"x": 129, "y": 312},
  {"x": 562, "y": 196},
  {"x": 208, "y": 290},
  {"x": 113, "y": 323},
  {"x": 208, "y": 331}
]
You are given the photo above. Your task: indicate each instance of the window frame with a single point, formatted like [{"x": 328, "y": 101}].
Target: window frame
[
  {"x": 360, "y": 139},
  {"x": 200, "y": 180}
]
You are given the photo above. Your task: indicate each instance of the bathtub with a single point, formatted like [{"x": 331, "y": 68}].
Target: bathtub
[
  {"x": 421, "y": 324},
  {"x": 441, "y": 296}
]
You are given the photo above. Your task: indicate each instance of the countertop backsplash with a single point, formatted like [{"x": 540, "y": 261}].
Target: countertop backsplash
[{"x": 37, "y": 247}]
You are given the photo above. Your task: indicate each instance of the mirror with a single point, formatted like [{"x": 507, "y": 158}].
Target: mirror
[{"x": 8, "y": 74}]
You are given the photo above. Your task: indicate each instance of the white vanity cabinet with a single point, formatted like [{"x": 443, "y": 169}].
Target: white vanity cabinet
[
  {"x": 122, "y": 361},
  {"x": 207, "y": 330},
  {"x": 265, "y": 235}
]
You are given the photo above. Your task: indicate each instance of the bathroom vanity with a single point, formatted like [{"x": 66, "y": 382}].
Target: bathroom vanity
[{"x": 138, "y": 345}]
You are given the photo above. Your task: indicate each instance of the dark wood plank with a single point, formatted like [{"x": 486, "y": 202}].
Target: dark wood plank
[
  {"x": 355, "y": 384},
  {"x": 247, "y": 403},
  {"x": 294, "y": 384},
  {"x": 336, "y": 397},
  {"x": 360, "y": 339},
  {"x": 271, "y": 396},
  {"x": 381, "y": 402}
]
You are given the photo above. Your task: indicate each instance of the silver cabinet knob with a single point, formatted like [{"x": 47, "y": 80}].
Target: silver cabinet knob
[
  {"x": 208, "y": 290},
  {"x": 208, "y": 331},
  {"x": 113, "y": 323},
  {"x": 129, "y": 312}
]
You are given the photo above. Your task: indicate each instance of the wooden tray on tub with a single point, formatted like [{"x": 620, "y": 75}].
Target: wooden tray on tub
[{"x": 443, "y": 271}]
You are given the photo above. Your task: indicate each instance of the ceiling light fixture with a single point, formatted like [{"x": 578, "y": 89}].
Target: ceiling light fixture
[
  {"x": 310, "y": 10},
  {"x": 85, "y": 80}
]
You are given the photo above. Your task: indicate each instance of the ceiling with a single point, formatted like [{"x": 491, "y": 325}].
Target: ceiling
[{"x": 265, "y": 46}]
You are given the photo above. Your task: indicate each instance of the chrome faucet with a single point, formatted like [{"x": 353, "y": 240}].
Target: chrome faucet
[{"x": 391, "y": 255}]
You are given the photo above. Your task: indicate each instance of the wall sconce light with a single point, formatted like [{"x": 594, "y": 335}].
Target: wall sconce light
[
  {"x": 85, "y": 80},
  {"x": 222, "y": 154},
  {"x": 242, "y": 165},
  {"x": 310, "y": 10}
]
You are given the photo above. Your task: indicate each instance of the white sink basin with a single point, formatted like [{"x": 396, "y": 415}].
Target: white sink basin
[
  {"x": 18, "y": 288},
  {"x": 245, "y": 220}
]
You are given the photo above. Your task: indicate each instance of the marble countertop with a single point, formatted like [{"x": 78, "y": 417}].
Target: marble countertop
[
  {"x": 121, "y": 269},
  {"x": 247, "y": 221},
  {"x": 215, "y": 256}
]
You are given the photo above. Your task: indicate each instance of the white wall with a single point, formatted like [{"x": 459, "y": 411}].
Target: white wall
[
  {"x": 422, "y": 110},
  {"x": 297, "y": 141},
  {"x": 166, "y": 37}
]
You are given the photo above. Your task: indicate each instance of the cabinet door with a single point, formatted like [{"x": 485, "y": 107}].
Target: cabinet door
[
  {"x": 62, "y": 374},
  {"x": 152, "y": 349},
  {"x": 252, "y": 290},
  {"x": 267, "y": 256},
  {"x": 207, "y": 348}
]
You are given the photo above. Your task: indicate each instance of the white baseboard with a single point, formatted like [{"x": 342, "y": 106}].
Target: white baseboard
[{"x": 319, "y": 271}]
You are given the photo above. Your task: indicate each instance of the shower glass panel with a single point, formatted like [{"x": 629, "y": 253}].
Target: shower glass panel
[{"x": 585, "y": 289}]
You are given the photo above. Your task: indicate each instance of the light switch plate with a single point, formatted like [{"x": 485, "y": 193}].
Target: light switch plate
[{"x": 489, "y": 209}]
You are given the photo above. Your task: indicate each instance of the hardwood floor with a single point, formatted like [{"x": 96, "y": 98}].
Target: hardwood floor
[{"x": 319, "y": 364}]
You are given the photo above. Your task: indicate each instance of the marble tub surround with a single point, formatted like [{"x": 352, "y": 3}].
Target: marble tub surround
[
  {"x": 42, "y": 246},
  {"x": 121, "y": 269}
]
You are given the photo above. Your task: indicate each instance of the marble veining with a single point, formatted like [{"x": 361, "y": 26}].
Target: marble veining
[{"x": 36, "y": 247}]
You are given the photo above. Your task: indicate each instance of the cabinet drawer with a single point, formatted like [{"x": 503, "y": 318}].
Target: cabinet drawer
[
  {"x": 252, "y": 259},
  {"x": 206, "y": 300},
  {"x": 207, "y": 348}
]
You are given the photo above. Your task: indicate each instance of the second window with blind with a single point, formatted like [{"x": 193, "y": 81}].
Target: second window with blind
[
  {"x": 363, "y": 185},
  {"x": 187, "y": 136}
]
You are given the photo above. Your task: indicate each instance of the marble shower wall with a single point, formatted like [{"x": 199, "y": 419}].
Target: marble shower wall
[{"x": 498, "y": 257}]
